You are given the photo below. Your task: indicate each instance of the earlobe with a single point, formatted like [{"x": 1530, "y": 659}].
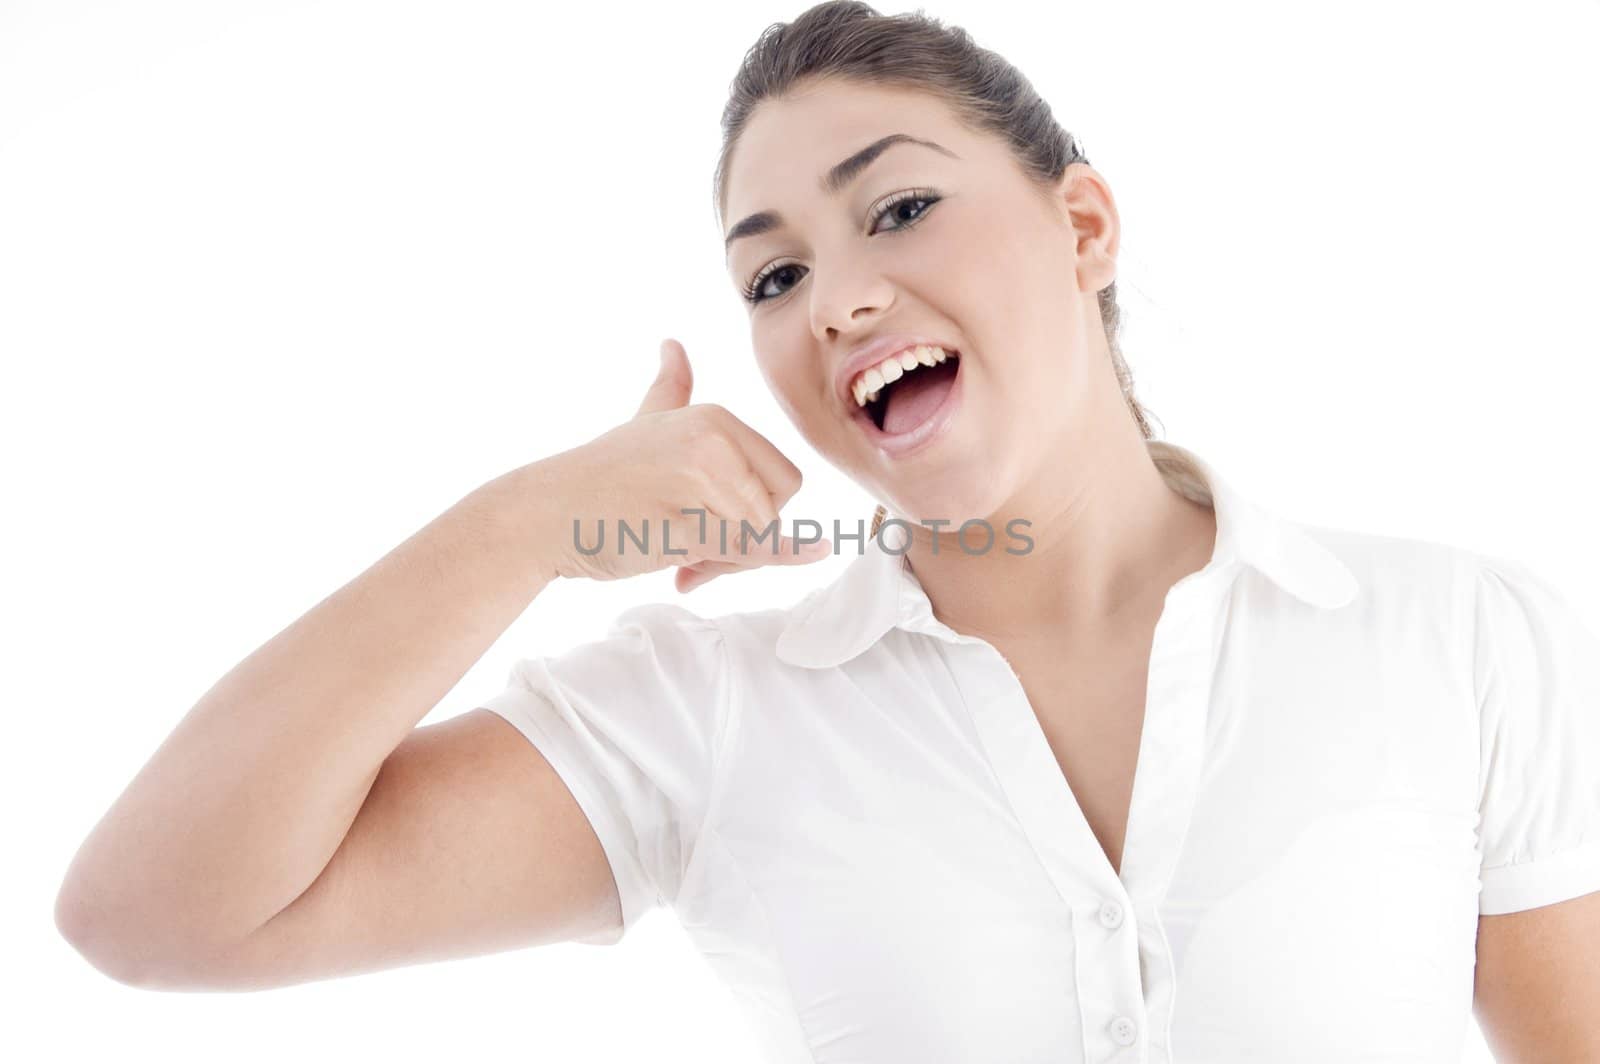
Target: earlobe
[
  {"x": 1097, "y": 257},
  {"x": 1096, "y": 266}
]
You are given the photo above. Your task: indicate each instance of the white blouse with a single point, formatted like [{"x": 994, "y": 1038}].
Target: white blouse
[{"x": 1352, "y": 746}]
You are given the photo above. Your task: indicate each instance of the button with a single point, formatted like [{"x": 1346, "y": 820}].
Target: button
[
  {"x": 1124, "y": 1031},
  {"x": 1111, "y": 915}
]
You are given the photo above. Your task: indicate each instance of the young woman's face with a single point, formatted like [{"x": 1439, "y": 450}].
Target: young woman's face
[{"x": 974, "y": 259}]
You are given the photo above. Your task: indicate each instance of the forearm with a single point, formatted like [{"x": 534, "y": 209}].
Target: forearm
[{"x": 243, "y": 805}]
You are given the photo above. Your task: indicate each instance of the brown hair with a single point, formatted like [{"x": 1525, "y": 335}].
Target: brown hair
[{"x": 850, "y": 40}]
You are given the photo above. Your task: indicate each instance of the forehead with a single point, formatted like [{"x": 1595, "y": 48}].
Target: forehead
[{"x": 789, "y": 143}]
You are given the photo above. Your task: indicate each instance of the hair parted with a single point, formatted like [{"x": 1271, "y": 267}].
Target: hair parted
[{"x": 849, "y": 40}]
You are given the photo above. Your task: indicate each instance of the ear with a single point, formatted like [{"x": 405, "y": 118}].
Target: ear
[{"x": 1086, "y": 201}]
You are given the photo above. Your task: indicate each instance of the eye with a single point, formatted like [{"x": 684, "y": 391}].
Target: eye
[{"x": 754, "y": 292}]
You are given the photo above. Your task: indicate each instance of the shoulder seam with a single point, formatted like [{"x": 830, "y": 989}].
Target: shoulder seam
[
  {"x": 722, "y": 690},
  {"x": 1477, "y": 564},
  {"x": 727, "y": 718}
]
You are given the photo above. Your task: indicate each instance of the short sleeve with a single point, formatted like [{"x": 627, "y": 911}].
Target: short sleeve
[
  {"x": 1537, "y": 682},
  {"x": 632, "y": 723}
]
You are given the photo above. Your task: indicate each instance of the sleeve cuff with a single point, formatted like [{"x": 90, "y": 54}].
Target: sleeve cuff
[
  {"x": 1542, "y": 881},
  {"x": 522, "y": 709}
]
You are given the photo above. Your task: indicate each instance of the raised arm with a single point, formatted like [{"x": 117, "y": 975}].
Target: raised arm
[{"x": 297, "y": 824}]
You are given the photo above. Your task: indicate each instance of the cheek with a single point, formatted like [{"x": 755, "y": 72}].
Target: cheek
[{"x": 795, "y": 387}]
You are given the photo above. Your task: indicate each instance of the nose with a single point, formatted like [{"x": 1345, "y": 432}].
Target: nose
[{"x": 847, "y": 298}]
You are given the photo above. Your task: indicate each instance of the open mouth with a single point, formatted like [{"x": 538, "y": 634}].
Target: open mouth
[
  {"x": 907, "y": 410},
  {"x": 912, "y": 398}
]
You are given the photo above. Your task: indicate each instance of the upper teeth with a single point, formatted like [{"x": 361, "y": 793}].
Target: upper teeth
[{"x": 869, "y": 382}]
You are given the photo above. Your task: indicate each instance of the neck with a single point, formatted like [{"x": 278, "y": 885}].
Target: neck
[{"x": 1110, "y": 537}]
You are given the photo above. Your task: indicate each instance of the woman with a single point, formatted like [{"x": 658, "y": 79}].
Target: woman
[{"x": 1164, "y": 777}]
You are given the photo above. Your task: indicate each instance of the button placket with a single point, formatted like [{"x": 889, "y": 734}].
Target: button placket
[
  {"x": 1183, "y": 662},
  {"x": 1111, "y": 968}
]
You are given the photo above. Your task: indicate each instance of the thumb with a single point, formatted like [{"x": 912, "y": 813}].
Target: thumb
[{"x": 674, "y": 381}]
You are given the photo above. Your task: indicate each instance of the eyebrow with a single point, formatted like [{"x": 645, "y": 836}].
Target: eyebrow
[{"x": 832, "y": 183}]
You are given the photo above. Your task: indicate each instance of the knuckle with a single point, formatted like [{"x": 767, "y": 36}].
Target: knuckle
[
  {"x": 789, "y": 483},
  {"x": 710, "y": 447},
  {"x": 757, "y": 498},
  {"x": 697, "y": 427},
  {"x": 700, "y": 418},
  {"x": 713, "y": 413}
]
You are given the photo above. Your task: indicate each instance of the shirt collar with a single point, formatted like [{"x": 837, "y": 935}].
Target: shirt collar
[{"x": 878, "y": 591}]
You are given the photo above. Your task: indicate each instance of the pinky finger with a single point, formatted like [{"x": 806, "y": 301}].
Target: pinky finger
[
  {"x": 690, "y": 577},
  {"x": 789, "y": 553},
  {"x": 703, "y": 572},
  {"x": 782, "y": 551}
]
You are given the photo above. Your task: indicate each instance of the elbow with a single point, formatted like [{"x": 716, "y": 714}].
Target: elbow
[
  {"x": 81, "y": 919},
  {"x": 77, "y": 921}
]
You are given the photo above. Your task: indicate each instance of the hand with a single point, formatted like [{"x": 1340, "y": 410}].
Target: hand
[{"x": 672, "y": 457}]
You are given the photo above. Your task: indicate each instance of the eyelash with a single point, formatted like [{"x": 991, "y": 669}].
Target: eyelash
[{"x": 752, "y": 291}]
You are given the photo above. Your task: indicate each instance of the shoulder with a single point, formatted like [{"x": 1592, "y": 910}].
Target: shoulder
[
  {"x": 1391, "y": 565},
  {"x": 1500, "y": 613},
  {"x": 742, "y": 641},
  {"x": 646, "y": 654},
  {"x": 1421, "y": 578},
  {"x": 1473, "y": 585},
  {"x": 1418, "y": 599},
  {"x": 748, "y": 637},
  {"x": 1417, "y": 565},
  {"x": 1529, "y": 629}
]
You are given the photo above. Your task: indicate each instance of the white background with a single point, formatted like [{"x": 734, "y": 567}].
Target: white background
[{"x": 279, "y": 282}]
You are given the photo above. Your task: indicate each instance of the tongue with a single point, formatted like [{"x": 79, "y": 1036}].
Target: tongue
[{"x": 914, "y": 397}]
